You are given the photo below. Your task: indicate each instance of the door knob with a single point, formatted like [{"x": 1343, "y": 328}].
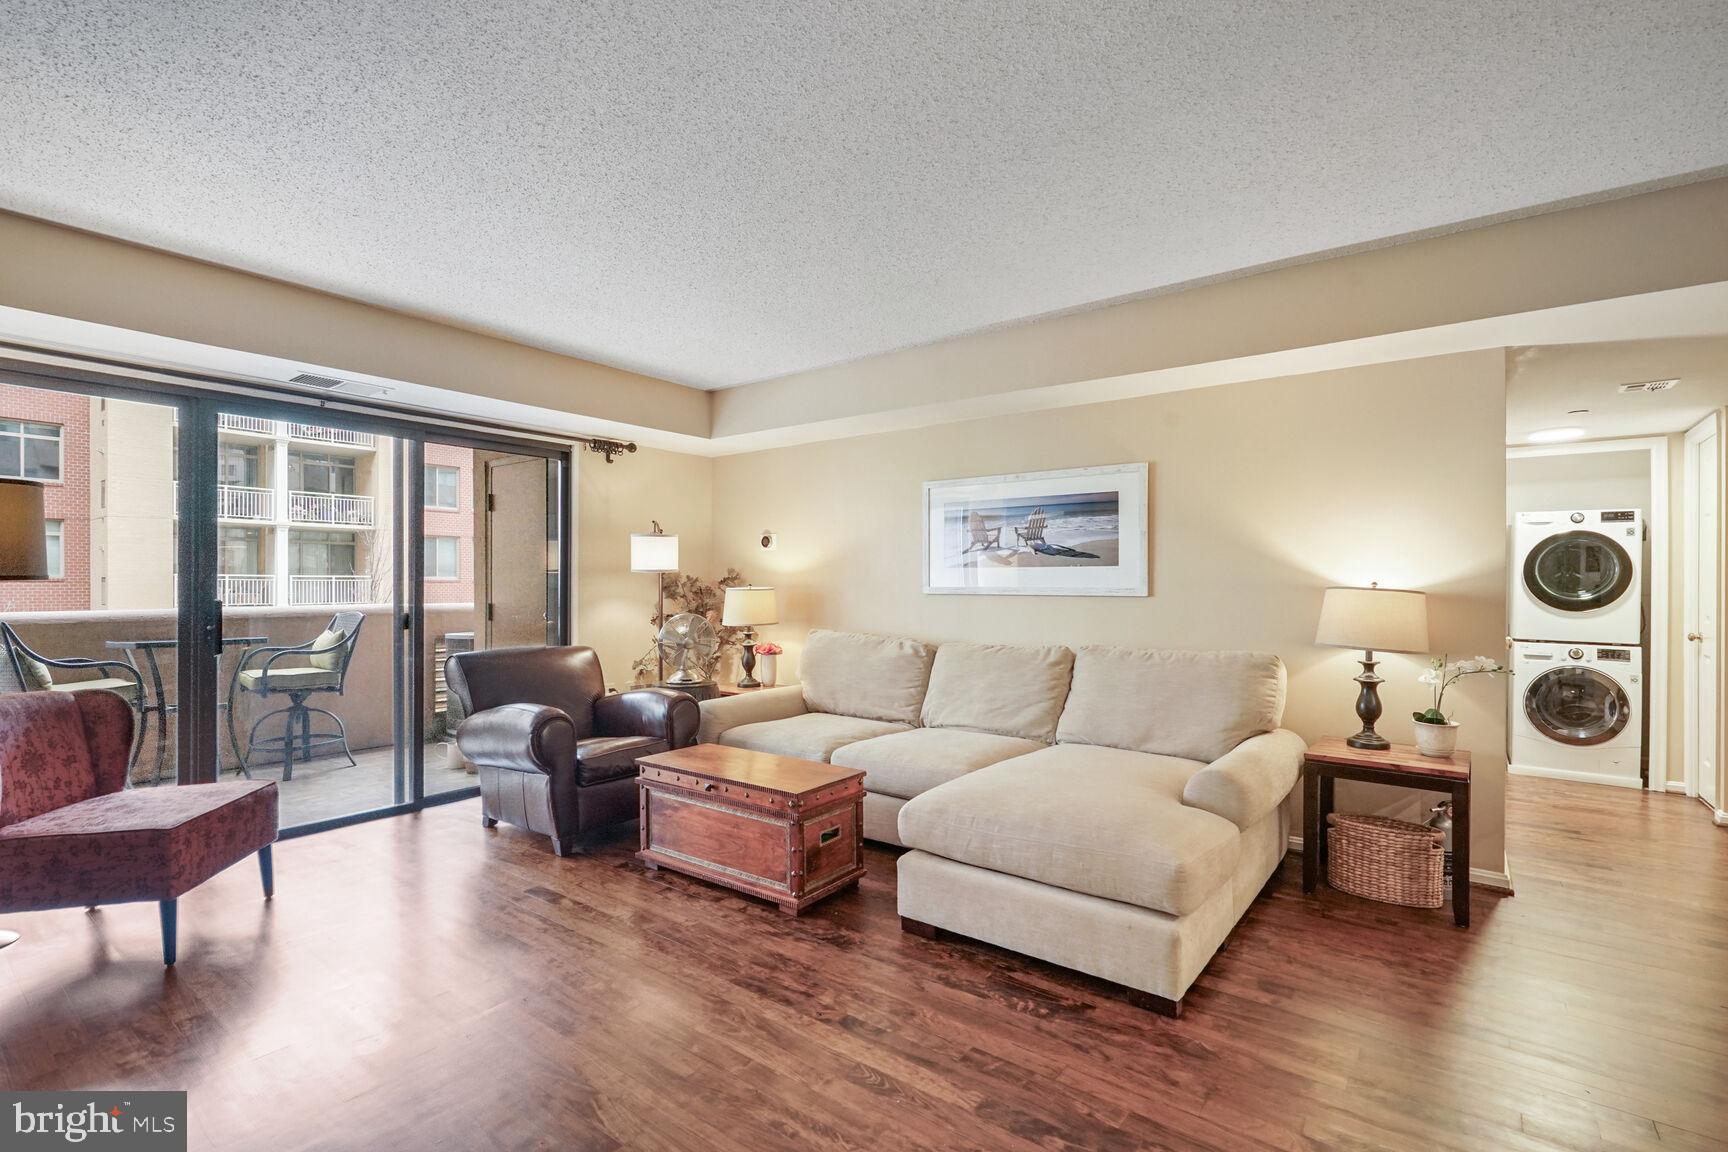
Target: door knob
[{"x": 1694, "y": 637}]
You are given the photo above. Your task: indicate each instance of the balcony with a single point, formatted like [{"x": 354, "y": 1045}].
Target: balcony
[
  {"x": 324, "y": 508},
  {"x": 330, "y": 435},
  {"x": 246, "y": 591},
  {"x": 254, "y": 424},
  {"x": 334, "y": 591},
  {"x": 234, "y": 502}
]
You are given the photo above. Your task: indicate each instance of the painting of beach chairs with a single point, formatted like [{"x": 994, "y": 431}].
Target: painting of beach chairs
[{"x": 1074, "y": 532}]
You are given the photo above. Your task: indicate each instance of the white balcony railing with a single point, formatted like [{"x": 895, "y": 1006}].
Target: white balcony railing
[
  {"x": 234, "y": 502},
  {"x": 322, "y": 508},
  {"x": 236, "y": 591},
  {"x": 330, "y": 435},
  {"x": 336, "y": 590},
  {"x": 246, "y": 424}
]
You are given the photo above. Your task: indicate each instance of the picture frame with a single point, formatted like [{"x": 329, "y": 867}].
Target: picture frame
[{"x": 1065, "y": 532}]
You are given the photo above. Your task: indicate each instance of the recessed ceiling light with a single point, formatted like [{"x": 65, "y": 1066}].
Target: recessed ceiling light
[{"x": 1555, "y": 435}]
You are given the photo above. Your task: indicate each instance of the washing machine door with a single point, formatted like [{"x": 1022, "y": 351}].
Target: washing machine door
[
  {"x": 1577, "y": 571},
  {"x": 1576, "y": 705}
]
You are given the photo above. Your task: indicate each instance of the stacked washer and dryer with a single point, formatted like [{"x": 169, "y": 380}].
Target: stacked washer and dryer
[{"x": 1577, "y": 659}]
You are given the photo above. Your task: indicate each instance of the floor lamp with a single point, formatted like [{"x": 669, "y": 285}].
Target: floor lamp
[
  {"x": 23, "y": 554},
  {"x": 655, "y": 552}
]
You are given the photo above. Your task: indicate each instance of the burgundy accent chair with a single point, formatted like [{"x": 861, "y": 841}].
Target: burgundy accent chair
[
  {"x": 72, "y": 833},
  {"x": 556, "y": 754}
]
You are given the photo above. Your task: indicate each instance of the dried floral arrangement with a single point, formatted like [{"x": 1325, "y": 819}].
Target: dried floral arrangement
[{"x": 688, "y": 593}]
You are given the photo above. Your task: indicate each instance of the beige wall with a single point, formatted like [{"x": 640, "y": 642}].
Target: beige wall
[
  {"x": 1262, "y": 494},
  {"x": 65, "y": 272},
  {"x": 614, "y": 606}
]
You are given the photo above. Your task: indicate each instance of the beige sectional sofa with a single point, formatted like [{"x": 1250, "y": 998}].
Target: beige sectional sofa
[{"x": 1107, "y": 809}]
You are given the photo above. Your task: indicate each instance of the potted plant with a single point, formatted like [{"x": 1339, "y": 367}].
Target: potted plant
[
  {"x": 767, "y": 662},
  {"x": 1435, "y": 734}
]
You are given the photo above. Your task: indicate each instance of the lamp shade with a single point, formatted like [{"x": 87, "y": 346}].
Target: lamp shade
[
  {"x": 749, "y": 606},
  {"x": 23, "y": 532},
  {"x": 652, "y": 553},
  {"x": 1374, "y": 619}
]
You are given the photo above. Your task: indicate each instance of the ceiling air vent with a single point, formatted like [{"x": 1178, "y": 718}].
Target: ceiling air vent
[
  {"x": 1650, "y": 386},
  {"x": 332, "y": 384}
]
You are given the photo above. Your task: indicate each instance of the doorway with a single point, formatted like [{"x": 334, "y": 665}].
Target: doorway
[{"x": 1701, "y": 609}]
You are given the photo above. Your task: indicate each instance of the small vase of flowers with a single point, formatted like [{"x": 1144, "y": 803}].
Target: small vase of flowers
[
  {"x": 767, "y": 662},
  {"x": 1436, "y": 735}
]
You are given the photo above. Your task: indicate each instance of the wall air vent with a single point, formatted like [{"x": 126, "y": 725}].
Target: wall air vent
[
  {"x": 311, "y": 381},
  {"x": 1650, "y": 386}
]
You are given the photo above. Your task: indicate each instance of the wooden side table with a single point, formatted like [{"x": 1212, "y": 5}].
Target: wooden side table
[
  {"x": 1401, "y": 765},
  {"x": 735, "y": 690}
]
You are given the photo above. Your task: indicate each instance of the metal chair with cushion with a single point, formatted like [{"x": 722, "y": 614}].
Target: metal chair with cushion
[
  {"x": 297, "y": 672},
  {"x": 22, "y": 669}
]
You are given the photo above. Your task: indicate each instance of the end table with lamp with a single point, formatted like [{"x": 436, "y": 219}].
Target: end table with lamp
[{"x": 748, "y": 607}]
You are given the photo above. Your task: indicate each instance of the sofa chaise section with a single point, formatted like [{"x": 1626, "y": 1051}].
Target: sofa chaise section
[{"x": 1130, "y": 848}]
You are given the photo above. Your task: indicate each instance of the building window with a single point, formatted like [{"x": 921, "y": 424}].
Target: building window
[
  {"x": 441, "y": 487},
  {"x": 239, "y": 552},
  {"x": 30, "y": 451},
  {"x": 56, "y": 549},
  {"x": 443, "y": 558},
  {"x": 239, "y": 465},
  {"x": 321, "y": 553},
  {"x": 323, "y": 472}
]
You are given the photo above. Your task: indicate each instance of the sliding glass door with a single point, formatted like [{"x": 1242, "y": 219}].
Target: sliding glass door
[{"x": 275, "y": 587}]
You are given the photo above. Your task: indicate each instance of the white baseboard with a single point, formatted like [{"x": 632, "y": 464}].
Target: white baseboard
[
  {"x": 1721, "y": 818},
  {"x": 1480, "y": 877},
  {"x": 1675, "y": 786},
  {"x": 1579, "y": 777}
]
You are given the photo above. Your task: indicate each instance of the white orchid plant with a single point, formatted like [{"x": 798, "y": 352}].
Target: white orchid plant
[{"x": 1442, "y": 674}]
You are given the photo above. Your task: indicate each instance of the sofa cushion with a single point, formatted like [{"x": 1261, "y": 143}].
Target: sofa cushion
[
  {"x": 871, "y": 677},
  {"x": 908, "y": 763},
  {"x": 998, "y": 688},
  {"x": 1102, "y": 821},
  {"x": 812, "y": 736},
  {"x": 1196, "y": 705},
  {"x": 139, "y": 844}
]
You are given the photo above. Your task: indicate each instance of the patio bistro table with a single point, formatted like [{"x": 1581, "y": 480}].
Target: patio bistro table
[{"x": 155, "y": 702}]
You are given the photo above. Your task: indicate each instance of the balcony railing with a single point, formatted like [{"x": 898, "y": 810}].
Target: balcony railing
[
  {"x": 246, "y": 424},
  {"x": 234, "y": 502},
  {"x": 323, "y": 508},
  {"x": 337, "y": 590},
  {"x": 238, "y": 591},
  {"x": 330, "y": 435}
]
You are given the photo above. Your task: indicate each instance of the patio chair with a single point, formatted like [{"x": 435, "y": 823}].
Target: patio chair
[
  {"x": 23, "y": 669},
  {"x": 983, "y": 538},
  {"x": 1031, "y": 533},
  {"x": 297, "y": 672}
]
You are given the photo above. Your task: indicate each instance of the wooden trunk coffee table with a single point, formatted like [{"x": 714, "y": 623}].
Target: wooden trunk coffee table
[{"x": 783, "y": 829}]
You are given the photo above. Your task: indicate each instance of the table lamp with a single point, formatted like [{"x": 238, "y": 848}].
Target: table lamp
[
  {"x": 23, "y": 554},
  {"x": 1374, "y": 619},
  {"x": 658, "y": 553},
  {"x": 746, "y": 608}
]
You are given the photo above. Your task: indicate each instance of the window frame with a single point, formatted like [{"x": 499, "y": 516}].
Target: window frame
[
  {"x": 431, "y": 488},
  {"x": 432, "y": 574},
  {"x": 23, "y": 437}
]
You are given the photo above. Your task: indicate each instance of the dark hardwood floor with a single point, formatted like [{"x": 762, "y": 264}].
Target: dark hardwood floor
[{"x": 420, "y": 983}]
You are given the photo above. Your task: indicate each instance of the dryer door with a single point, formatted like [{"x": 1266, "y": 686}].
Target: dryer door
[
  {"x": 1577, "y": 571},
  {"x": 1576, "y": 705}
]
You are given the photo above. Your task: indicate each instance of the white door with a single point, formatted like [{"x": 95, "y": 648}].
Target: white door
[{"x": 1701, "y": 594}]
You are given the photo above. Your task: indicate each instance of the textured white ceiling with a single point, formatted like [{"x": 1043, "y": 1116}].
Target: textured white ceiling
[{"x": 728, "y": 191}]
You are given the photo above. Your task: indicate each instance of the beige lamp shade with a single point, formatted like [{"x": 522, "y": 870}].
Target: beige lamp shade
[
  {"x": 749, "y": 606},
  {"x": 1374, "y": 619},
  {"x": 650, "y": 553},
  {"x": 23, "y": 531}
]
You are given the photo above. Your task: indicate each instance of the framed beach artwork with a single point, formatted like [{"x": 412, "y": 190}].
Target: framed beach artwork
[{"x": 1073, "y": 532}]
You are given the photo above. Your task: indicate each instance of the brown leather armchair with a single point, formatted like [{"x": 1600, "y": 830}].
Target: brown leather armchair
[{"x": 556, "y": 754}]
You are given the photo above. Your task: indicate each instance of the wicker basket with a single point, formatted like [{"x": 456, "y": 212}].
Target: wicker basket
[{"x": 1388, "y": 860}]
